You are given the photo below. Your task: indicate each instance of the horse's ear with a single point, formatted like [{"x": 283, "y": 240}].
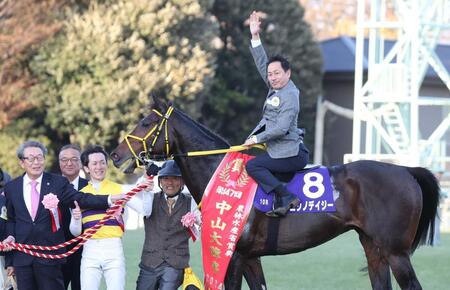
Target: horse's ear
[
  {"x": 158, "y": 103},
  {"x": 151, "y": 97}
]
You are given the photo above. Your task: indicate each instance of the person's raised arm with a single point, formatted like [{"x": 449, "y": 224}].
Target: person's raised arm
[
  {"x": 255, "y": 25},
  {"x": 257, "y": 50}
]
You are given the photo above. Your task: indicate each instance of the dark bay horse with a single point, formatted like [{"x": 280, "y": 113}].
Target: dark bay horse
[{"x": 391, "y": 207}]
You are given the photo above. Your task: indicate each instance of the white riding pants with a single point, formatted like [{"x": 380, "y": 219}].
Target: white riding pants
[{"x": 103, "y": 256}]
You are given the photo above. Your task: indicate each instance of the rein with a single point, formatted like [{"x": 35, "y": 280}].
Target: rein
[
  {"x": 144, "y": 156},
  {"x": 207, "y": 152}
]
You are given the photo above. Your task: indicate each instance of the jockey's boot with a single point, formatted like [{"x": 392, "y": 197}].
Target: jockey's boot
[{"x": 288, "y": 201}]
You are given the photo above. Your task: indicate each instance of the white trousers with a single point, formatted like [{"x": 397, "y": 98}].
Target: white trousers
[
  {"x": 103, "y": 256},
  {"x": 2, "y": 272}
]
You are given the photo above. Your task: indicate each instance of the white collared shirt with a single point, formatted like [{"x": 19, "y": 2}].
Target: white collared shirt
[
  {"x": 75, "y": 182},
  {"x": 255, "y": 43},
  {"x": 142, "y": 201},
  {"x": 27, "y": 190}
]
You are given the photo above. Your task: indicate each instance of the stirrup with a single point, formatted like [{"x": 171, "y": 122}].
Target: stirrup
[
  {"x": 282, "y": 211},
  {"x": 276, "y": 204},
  {"x": 272, "y": 213}
]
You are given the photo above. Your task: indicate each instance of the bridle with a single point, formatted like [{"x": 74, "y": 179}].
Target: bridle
[{"x": 144, "y": 156}]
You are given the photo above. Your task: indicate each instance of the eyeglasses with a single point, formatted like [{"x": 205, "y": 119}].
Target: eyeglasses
[
  {"x": 31, "y": 159},
  {"x": 66, "y": 160}
]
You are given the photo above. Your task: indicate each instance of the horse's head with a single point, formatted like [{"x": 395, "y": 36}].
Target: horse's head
[{"x": 150, "y": 136}]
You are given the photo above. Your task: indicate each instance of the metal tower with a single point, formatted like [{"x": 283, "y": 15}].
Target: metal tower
[{"x": 387, "y": 99}]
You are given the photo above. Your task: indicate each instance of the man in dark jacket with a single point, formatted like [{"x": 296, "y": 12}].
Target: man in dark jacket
[
  {"x": 29, "y": 222},
  {"x": 4, "y": 178},
  {"x": 70, "y": 166}
]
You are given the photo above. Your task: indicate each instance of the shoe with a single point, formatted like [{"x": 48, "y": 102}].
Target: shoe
[
  {"x": 282, "y": 211},
  {"x": 290, "y": 201},
  {"x": 272, "y": 213},
  {"x": 276, "y": 204}
]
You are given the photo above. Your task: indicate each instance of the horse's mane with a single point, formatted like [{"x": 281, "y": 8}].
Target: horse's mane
[{"x": 205, "y": 130}]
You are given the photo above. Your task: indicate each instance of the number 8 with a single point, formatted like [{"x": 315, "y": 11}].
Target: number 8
[{"x": 313, "y": 183}]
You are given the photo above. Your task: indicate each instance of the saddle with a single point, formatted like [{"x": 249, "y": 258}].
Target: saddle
[{"x": 312, "y": 185}]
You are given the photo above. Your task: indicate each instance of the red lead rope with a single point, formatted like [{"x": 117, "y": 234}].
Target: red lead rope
[{"x": 84, "y": 237}]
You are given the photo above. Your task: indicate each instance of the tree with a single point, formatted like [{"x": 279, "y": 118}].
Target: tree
[
  {"x": 90, "y": 80},
  {"x": 338, "y": 18},
  {"x": 23, "y": 25},
  {"x": 331, "y": 18},
  {"x": 95, "y": 77},
  {"x": 16, "y": 133},
  {"x": 239, "y": 91}
]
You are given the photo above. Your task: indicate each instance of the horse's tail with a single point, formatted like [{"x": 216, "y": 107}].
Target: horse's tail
[{"x": 430, "y": 193}]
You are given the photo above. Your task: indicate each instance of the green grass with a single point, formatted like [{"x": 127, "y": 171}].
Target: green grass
[{"x": 334, "y": 265}]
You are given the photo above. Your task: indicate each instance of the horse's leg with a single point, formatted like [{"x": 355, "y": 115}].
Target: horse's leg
[
  {"x": 404, "y": 272},
  {"x": 378, "y": 266},
  {"x": 233, "y": 278},
  {"x": 254, "y": 274}
]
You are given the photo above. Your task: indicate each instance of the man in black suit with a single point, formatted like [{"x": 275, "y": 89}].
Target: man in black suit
[
  {"x": 70, "y": 165},
  {"x": 30, "y": 223},
  {"x": 4, "y": 178}
]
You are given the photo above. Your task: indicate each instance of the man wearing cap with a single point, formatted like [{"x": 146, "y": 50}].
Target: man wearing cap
[{"x": 166, "y": 247}]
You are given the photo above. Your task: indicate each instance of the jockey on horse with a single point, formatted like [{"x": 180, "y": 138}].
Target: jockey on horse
[{"x": 278, "y": 126}]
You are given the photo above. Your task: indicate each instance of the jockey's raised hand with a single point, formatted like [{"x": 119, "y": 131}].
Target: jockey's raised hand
[{"x": 255, "y": 25}]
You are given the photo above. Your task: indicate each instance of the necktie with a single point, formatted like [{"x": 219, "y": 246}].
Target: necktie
[
  {"x": 170, "y": 204},
  {"x": 34, "y": 198}
]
